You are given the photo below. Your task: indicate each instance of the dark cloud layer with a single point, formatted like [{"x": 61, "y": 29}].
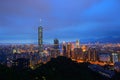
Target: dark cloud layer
[{"x": 62, "y": 19}]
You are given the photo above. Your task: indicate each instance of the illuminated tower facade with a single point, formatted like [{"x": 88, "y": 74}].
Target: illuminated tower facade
[
  {"x": 89, "y": 54},
  {"x": 69, "y": 50},
  {"x": 56, "y": 44},
  {"x": 94, "y": 55},
  {"x": 64, "y": 49},
  {"x": 77, "y": 44},
  {"x": 40, "y": 39},
  {"x": 56, "y": 47}
]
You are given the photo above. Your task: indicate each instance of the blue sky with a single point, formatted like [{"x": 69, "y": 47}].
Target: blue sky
[{"x": 67, "y": 20}]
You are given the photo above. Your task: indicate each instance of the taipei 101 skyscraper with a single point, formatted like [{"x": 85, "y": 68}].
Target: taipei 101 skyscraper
[{"x": 40, "y": 39}]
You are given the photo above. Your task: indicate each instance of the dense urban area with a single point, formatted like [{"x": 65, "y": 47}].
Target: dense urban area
[
  {"x": 60, "y": 61},
  {"x": 77, "y": 60}
]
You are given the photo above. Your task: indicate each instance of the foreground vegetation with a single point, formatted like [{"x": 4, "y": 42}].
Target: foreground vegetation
[{"x": 60, "y": 68}]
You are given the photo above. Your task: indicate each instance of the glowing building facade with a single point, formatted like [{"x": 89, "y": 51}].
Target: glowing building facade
[
  {"x": 77, "y": 44},
  {"x": 56, "y": 44},
  {"x": 40, "y": 39}
]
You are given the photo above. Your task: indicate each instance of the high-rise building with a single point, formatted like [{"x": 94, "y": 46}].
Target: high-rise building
[
  {"x": 64, "y": 49},
  {"x": 114, "y": 57},
  {"x": 69, "y": 52},
  {"x": 95, "y": 58},
  {"x": 78, "y": 53},
  {"x": 77, "y": 44},
  {"x": 72, "y": 50},
  {"x": 56, "y": 47},
  {"x": 89, "y": 54},
  {"x": 56, "y": 44},
  {"x": 40, "y": 39},
  {"x": 92, "y": 54}
]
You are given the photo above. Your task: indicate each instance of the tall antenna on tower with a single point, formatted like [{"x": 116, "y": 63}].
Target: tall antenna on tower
[{"x": 40, "y": 22}]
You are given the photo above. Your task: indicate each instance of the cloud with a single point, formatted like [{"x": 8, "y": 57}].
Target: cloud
[{"x": 65, "y": 19}]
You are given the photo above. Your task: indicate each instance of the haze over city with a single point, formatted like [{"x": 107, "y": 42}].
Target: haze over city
[{"x": 67, "y": 20}]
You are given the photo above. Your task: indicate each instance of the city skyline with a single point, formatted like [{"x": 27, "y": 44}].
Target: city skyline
[{"x": 88, "y": 21}]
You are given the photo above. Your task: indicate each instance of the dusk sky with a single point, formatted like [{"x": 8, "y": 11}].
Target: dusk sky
[{"x": 67, "y": 20}]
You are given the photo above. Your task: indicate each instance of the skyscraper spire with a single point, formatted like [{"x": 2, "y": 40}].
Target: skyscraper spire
[{"x": 40, "y": 22}]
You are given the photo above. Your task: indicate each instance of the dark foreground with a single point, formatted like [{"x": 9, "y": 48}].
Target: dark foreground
[{"x": 60, "y": 68}]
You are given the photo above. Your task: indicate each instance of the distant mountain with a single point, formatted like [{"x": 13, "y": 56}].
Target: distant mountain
[{"x": 109, "y": 40}]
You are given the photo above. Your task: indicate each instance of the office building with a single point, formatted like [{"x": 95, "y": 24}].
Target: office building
[
  {"x": 77, "y": 44},
  {"x": 56, "y": 44},
  {"x": 78, "y": 53},
  {"x": 69, "y": 52},
  {"x": 92, "y": 54},
  {"x": 64, "y": 49},
  {"x": 114, "y": 57}
]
